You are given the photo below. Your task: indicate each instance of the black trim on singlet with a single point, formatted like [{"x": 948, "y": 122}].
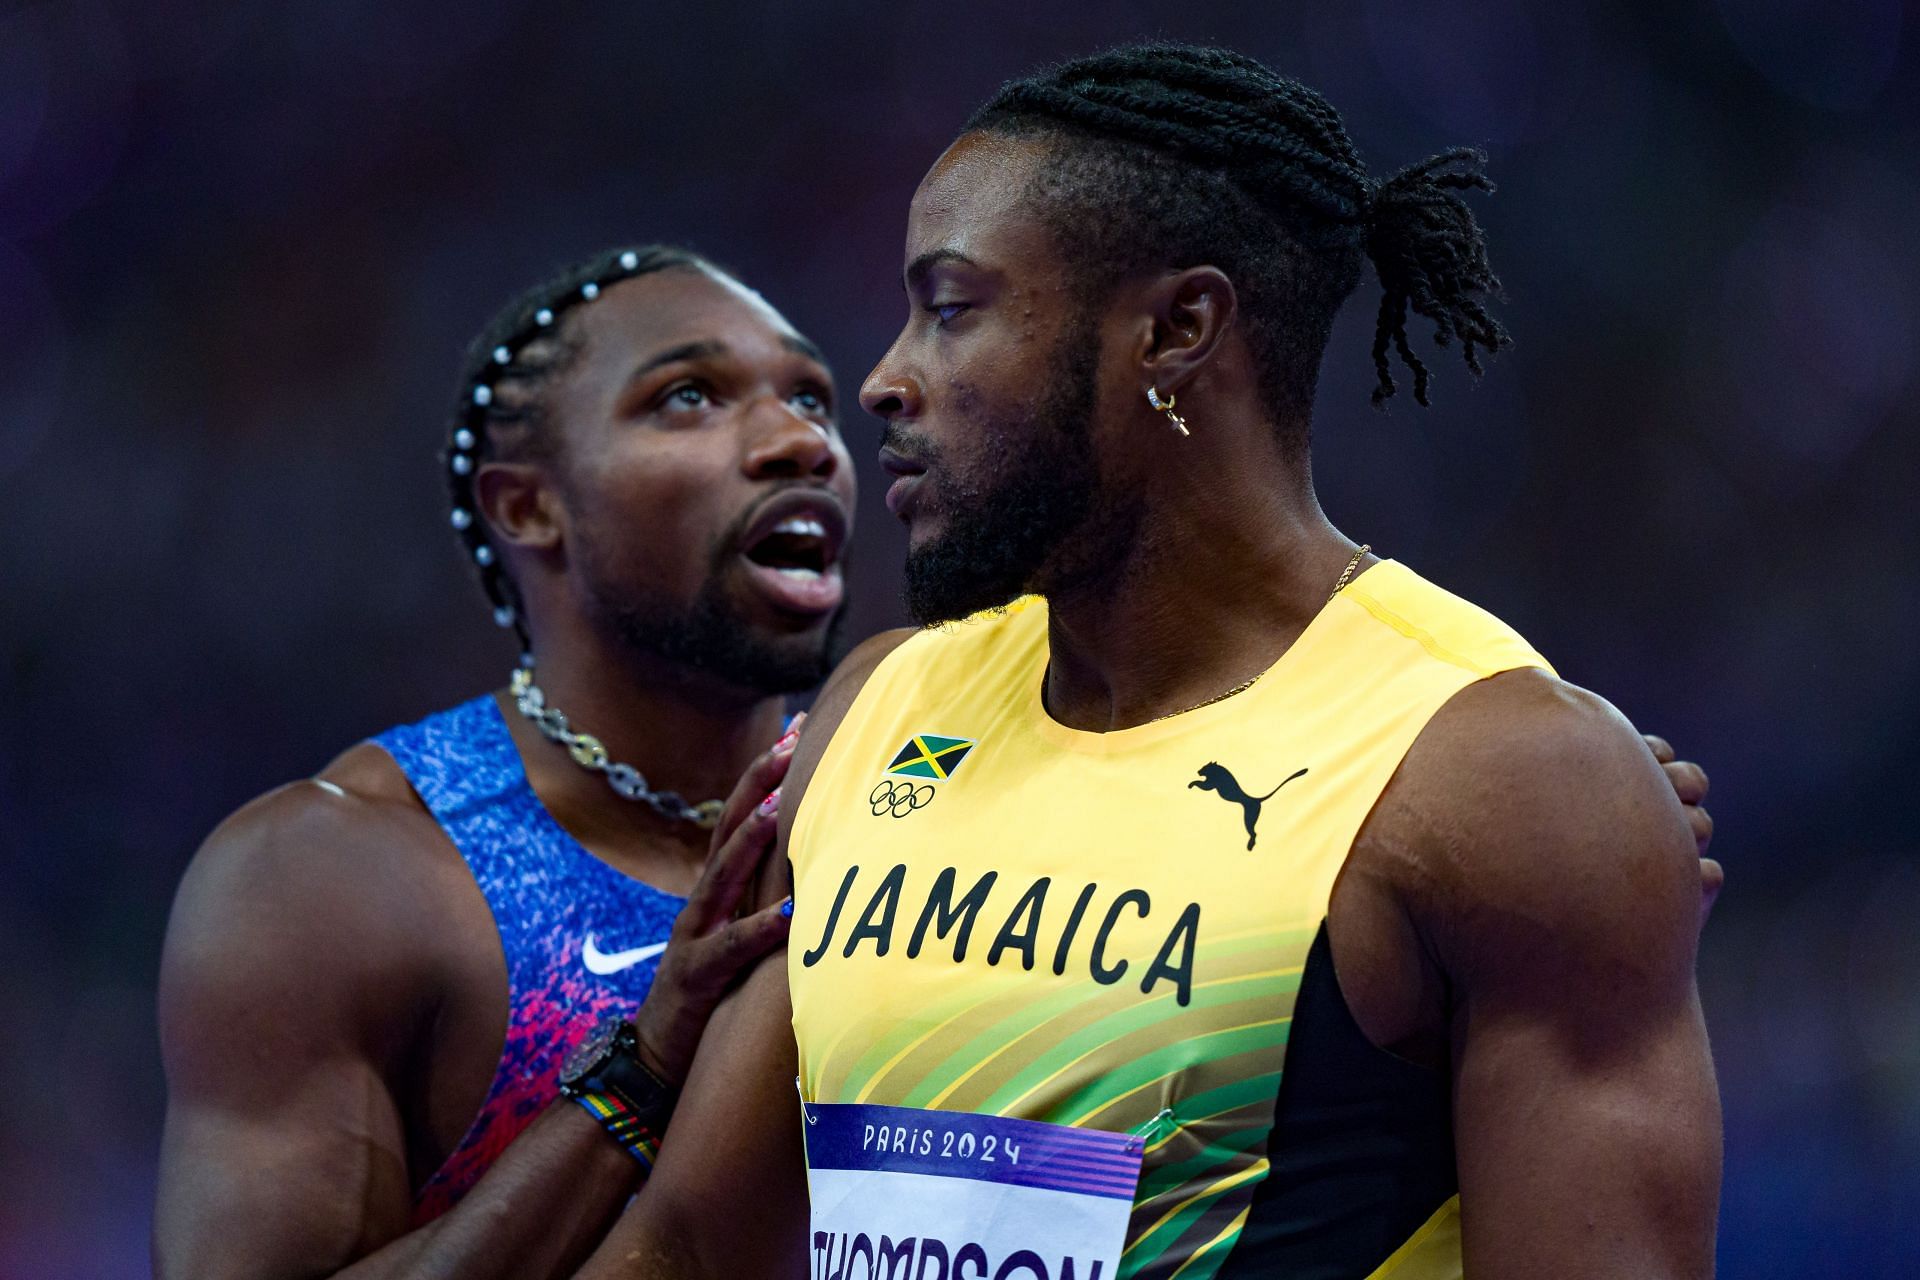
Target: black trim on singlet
[{"x": 1361, "y": 1150}]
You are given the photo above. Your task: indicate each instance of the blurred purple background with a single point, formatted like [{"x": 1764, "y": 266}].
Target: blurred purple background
[{"x": 241, "y": 247}]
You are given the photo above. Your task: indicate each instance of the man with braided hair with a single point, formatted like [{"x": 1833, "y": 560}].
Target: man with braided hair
[
  {"x": 1217, "y": 900},
  {"x": 374, "y": 977},
  {"x": 667, "y": 586}
]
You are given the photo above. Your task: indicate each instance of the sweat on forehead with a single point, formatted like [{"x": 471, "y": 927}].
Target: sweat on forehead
[
  {"x": 982, "y": 178},
  {"x": 975, "y": 211},
  {"x": 979, "y": 168}
]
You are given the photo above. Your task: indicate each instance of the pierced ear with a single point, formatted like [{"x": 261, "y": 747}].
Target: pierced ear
[
  {"x": 519, "y": 505},
  {"x": 1190, "y": 314}
]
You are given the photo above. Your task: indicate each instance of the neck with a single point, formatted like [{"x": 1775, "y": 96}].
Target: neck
[
  {"x": 1233, "y": 560},
  {"x": 681, "y": 730}
]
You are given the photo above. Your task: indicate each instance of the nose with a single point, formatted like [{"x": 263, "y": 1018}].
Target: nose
[
  {"x": 890, "y": 392},
  {"x": 789, "y": 446}
]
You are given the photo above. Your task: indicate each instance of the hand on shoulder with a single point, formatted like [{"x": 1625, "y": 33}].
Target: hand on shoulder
[
  {"x": 835, "y": 699},
  {"x": 1553, "y": 846},
  {"x": 1562, "y": 904}
]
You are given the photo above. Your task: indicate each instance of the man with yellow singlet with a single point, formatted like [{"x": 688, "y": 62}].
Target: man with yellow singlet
[{"x": 1212, "y": 898}]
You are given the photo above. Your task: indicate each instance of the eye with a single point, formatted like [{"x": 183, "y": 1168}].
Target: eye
[
  {"x": 812, "y": 400},
  {"x": 945, "y": 313},
  {"x": 686, "y": 395}
]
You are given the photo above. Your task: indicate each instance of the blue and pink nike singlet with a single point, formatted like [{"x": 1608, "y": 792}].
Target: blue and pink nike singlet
[{"x": 581, "y": 940}]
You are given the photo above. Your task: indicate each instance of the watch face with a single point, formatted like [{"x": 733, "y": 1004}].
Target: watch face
[{"x": 592, "y": 1051}]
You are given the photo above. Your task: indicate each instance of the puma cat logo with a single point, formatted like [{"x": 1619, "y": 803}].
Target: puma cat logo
[{"x": 1218, "y": 779}]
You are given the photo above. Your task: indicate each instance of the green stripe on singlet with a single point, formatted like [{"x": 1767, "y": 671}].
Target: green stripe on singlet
[
  {"x": 1158, "y": 1182},
  {"x": 1030, "y": 1019},
  {"x": 1171, "y": 1060},
  {"x": 1167, "y": 1232},
  {"x": 1256, "y": 991}
]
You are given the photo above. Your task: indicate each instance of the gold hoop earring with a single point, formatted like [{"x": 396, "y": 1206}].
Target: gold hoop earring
[{"x": 1166, "y": 407}]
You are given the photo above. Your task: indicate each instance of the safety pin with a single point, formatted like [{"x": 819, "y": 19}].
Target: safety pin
[
  {"x": 1152, "y": 1124},
  {"x": 803, "y": 1102}
]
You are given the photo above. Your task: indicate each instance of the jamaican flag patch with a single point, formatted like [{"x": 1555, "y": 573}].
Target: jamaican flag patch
[{"x": 928, "y": 755}]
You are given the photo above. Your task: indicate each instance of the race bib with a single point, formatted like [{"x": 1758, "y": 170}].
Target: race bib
[{"x": 904, "y": 1194}]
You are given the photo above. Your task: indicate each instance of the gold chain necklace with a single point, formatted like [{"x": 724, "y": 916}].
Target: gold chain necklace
[{"x": 1346, "y": 576}]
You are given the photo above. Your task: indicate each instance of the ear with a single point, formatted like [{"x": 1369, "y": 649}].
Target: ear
[
  {"x": 520, "y": 505},
  {"x": 1189, "y": 314}
]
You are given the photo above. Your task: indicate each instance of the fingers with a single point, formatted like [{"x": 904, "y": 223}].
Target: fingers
[
  {"x": 1713, "y": 878},
  {"x": 731, "y": 869},
  {"x": 697, "y": 972},
  {"x": 1702, "y": 823},
  {"x": 1689, "y": 780},
  {"x": 739, "y": 945},
  {"x": 741, "y": 838},
  {"x": 761, "y": 777}
]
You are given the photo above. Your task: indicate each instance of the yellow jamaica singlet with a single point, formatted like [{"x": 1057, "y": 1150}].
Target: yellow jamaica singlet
[{"x": 1121, "y": 931}]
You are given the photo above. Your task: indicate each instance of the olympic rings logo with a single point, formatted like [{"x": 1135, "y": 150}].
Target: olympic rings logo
[{"x": 898, "y": 797}]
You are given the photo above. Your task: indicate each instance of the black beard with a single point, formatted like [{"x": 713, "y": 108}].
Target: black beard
[
  {"x": 1036, "y": 488},
  {"x": 709, "y": 637}
]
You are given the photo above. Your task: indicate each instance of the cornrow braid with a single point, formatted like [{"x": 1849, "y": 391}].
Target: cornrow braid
[
  {"x": 502, "y": 406},
  {"x": 1183, "y": 154}
]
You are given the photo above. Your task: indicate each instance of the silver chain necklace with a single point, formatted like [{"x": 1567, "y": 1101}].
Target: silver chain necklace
[{"x": 588, "y": 753}]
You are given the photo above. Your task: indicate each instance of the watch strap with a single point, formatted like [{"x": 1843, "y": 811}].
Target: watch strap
[
  {"x": 608, "y": 1079},
  {"x": 627, "y": 1126},
  {"x": 627, "y": 1078}
]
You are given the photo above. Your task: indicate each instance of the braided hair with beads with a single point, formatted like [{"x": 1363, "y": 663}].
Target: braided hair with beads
[
  {"x": 502, "y": 410},
  {"x": 1175, "y": 154}
]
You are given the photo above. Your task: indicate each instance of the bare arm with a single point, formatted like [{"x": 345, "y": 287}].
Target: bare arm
[
  {"x": 1564, "y": 913},
  {"x": 297, "y": 991},
  {"x": 728, "y": 1197},
  {"x": 296, "y": 983}
]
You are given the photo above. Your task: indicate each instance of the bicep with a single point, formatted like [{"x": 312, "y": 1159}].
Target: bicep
[
  {"x": 1579, "y": 1164},
  {"x": 1587, "y": 1119},
  {"x": 284, "y": 1152},
  {"x": 297, "y": 1184},
  {"x": 728, "y": 1196}
]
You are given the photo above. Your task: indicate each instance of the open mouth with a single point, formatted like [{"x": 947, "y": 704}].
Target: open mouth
[
  {"x": 798, "y": 546},
  {"x": 793, "y": 550}
]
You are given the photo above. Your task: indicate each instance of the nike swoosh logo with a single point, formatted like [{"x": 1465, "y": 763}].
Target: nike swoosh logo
[{"x": 603, "y": 962}]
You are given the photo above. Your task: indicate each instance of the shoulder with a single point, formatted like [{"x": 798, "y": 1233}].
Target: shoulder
[
  {"x": 319, "y": 895},
  {"x": 843, "y": 687},
  {"x": 1447, "y": 628},
  {"x": 321, "y": 842},
  {"x": 830, "y": 708},
  {"x": 1524, "y": 722},
  {"x": 1541, "y": 836},
  {"x": 840, "y": 692}
]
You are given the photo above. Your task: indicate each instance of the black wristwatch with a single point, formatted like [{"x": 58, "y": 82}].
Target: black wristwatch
[{"x": 605, "y": 1075}]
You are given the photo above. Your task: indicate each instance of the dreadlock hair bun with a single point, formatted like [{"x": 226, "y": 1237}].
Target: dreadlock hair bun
[
  {"x": 1181, "y": 155},
  {"x": 501, "y": 410},
  {"x": 1431, "y": 256}
]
